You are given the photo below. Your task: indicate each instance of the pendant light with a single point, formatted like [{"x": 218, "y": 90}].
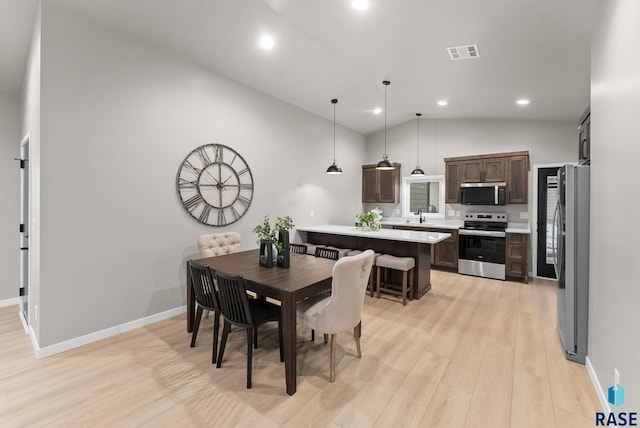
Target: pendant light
[
  {"x": 333, "y": 168},
  {"x": 418, "y": 172},
  {"x": 385, "y": 163}
]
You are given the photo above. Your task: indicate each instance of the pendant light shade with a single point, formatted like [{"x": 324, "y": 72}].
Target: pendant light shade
[
  {"x": 418, "y": 171},
  {"x": 385, "y": 163},
  {"x": 333, "y": 168}
]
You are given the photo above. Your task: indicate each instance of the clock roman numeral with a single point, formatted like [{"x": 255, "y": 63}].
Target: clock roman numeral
[
  {"x": 235, "y": 213},
  {"x": 244, "y": 171},
  {"x": 186, "y": 184},
  {"x": 193, "y": 202},
  {"x": 204, "y": 215},
  {"x": 221, "y": 217},
  {"x": 244, "y": 201},
  {"x": 219, "y": 154},
  {"x": 203, "y": 156},
  {"x": 189, "y": 167}
]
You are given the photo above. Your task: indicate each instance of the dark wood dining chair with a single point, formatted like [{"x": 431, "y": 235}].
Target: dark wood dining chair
[
  {"x": 239, "y": 310},
  {"x": 327, "y": 253},
  {"x": 298, "y": 248},
  {"x": 206, "y": 298}
]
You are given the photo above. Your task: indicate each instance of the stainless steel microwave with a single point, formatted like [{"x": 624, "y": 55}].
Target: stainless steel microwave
[{"x": 483, "y": 193}]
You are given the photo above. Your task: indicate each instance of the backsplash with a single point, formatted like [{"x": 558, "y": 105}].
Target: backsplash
[{"x": 515, "y": 213}]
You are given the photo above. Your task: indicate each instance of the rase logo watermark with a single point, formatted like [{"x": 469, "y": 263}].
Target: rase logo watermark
[{"x": 615, "y": 397}]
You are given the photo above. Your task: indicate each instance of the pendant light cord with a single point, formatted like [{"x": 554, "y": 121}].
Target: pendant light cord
[
  {"x": 334, "y": 131},
  {"x": 334, "y": 102},
  {"x": 386, "y": 83},
  {"x": 418, "y": 139}
]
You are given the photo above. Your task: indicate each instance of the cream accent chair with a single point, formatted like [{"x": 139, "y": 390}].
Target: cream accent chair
[
  {"x": 218, "y": 244},
  {"x": 342, "y": 310}
]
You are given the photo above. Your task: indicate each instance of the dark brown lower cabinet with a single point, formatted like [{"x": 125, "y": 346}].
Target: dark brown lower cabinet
[
  {"x": 445, "y": 253},
  {"x": 517, "y": 256}
]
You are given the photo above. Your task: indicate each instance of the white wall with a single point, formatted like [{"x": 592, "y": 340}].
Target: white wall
[
  {"x": 9, "y": 196},
  {"x": 614, "y": 318},
  {"x": 118, "y": 118},
  {"x": 547, "y": 142}
]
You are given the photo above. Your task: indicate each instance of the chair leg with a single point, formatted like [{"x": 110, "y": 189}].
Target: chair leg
[
  {"x": 196, "y": 326},
  {"x": 378, "y": 281},
  {"x": 250, "y": 336},
  {"x": 404, "y": 288},
  {"x": 223, "y": 342},
  {"x": 326, "y": 338},
  {"x": 313, "y": 335},
  {"x": 216, "y": 328},
  {"x": 332, "y": 362},
  {"x": 280, "y": 341},
  {"x": 255, "y": 337},
  {"x": 357, "y": 332}
]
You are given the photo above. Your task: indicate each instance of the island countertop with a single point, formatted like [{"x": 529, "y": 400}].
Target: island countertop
[{"x": 387, "y": 234}]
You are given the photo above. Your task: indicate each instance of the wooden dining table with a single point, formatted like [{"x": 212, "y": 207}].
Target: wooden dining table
[{"x": 306, "y": 276}]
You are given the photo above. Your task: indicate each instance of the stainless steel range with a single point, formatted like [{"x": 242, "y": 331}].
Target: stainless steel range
[{"x": 482, "y": 245}]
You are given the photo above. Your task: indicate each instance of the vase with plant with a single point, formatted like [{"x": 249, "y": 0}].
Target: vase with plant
[
  {"x": 274, "y": 241},
  {"x": 368, "y": 221}
]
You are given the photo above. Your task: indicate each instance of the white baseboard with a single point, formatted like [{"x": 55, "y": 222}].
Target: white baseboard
[
  {"x": 9, "y": 302},
  {"x": 102, "y": 334},
  {"x": 596, "y": 385}
]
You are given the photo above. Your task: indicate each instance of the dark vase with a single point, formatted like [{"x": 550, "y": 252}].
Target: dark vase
[
  {"x": 266, "y": 253},
  {"x": 284, "y": 256}
]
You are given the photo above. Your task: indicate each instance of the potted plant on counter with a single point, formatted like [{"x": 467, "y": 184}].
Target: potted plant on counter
[
  {"x": 368, "y": 221},
  {"x": 274, "y": 241}
]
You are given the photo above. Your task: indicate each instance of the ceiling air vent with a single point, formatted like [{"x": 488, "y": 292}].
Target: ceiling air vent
[{"x": 463, "y": 52}]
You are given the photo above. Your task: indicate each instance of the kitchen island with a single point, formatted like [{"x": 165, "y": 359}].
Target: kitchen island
[{"x": 400, "y": 243}]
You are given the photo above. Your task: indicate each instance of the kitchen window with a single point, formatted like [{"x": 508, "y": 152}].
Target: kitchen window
[{"x": 425, "y": 194}]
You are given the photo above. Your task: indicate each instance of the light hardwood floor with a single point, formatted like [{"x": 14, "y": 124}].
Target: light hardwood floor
[{"x": 471, "y": 353}]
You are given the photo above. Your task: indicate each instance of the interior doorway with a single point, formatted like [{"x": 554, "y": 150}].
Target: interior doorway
[
  {"x": 25, "y": 209},
  {"x": 547, "y": 196}
]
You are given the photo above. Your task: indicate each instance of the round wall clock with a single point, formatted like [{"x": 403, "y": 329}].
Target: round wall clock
[{"x": 215, "y": 185}]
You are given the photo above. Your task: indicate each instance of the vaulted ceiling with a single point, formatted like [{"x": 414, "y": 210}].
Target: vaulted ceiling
[{"x": 327, "y": 49}]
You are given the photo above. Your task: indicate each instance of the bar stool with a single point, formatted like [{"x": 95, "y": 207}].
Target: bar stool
[
  {"x": 404, "y": 264},
  {"x": 371, "y": 285},
  {"x": 342, "y": 252}
]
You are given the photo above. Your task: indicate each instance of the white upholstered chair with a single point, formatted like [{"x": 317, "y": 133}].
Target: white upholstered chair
[
  {"x": 342, "y": 310},
  {"x": 217, "y": 244}
]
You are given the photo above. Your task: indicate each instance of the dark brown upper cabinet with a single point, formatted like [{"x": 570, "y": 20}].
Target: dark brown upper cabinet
[
  {"x": 380, "y": 186},
  {"x": 511, "y": 168}
]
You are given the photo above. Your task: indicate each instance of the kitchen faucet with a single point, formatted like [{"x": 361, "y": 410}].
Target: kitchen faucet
[{"x": 420, "y": 215}]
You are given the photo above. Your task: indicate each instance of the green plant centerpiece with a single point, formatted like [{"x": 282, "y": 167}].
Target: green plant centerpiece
[
  {"x": 276, "y": 236},
  {"x": 368, "y": 221}
]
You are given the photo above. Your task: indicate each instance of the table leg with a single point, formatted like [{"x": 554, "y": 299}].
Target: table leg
[
  {"x": 191, "y": 301},
  {"x": 289, "y": 336}
]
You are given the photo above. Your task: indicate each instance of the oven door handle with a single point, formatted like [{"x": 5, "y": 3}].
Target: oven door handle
[{"x": 490, "y": 233}]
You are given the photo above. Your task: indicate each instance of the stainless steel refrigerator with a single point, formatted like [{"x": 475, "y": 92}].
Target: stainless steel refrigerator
[{"x": 570, "y": 245}]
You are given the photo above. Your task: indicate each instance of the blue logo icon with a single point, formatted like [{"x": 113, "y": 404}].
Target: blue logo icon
[{"x": 616, "y": 395}]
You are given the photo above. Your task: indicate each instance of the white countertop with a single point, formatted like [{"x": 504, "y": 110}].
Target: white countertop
[
  {"x": 452, "y": 224},
  {"x": 388, "y": 234},
  {"x": 442, "y": 224},
  {"x": 518, "y": 228}
]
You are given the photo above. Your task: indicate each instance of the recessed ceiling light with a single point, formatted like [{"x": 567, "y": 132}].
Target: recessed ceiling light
[
  {"x": 377, "y": 110},
  {"x": 522, "y": 102},
  {"x": 360, "y": 4},
  {"x": 266, "y": 42},
  {"x": 443, "y": 103}
]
